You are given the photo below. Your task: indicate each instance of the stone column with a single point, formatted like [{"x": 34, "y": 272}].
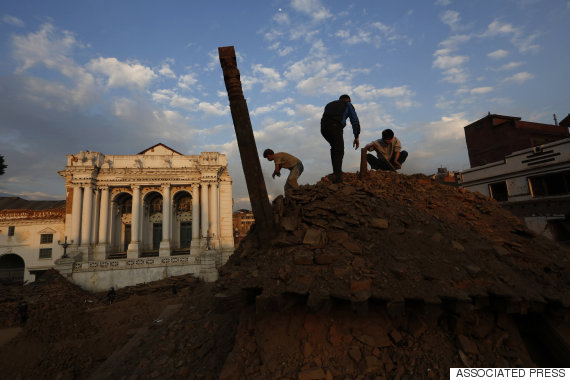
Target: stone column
[
  {"x": 166, "y": 212},
  {"x": 76, "y": 214},
  {"x": 134, "y": 247},
  {"x": 96, "y": 217},
  {"x": 214, "y": 230},
  {"x": 204, "y": 233},
  {"x": 195, "y": 245},
  {"x": 86, "y": 221},
  {"x": 101, "y": 249}
]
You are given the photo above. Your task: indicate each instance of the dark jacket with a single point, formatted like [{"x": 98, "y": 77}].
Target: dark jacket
[{"x": 337, "y": 111}]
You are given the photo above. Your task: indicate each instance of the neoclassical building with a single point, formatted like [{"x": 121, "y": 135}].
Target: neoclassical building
[{"x": 138, "y": 218}]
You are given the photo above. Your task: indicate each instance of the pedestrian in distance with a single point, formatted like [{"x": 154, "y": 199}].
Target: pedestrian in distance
[
  {"x": 111, "y": 295},
  {"x": 389, "y": 153},
  {"x": 332, "y": 127},
  {"x": 287, "y": 161},
  {"x": 23, "y": 312}
]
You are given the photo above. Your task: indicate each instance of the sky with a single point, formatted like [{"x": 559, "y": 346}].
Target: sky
[{"x": 118, "y": 77}]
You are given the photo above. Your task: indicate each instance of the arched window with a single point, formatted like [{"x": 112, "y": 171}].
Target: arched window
[{"x": 184, "y": 203}]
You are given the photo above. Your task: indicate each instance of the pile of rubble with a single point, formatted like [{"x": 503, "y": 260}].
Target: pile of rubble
[
  {"x": 395, "y": 238},
  {"x": 392, "y": 276}
]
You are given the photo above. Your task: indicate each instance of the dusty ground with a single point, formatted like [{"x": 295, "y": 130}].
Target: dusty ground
[{"x": 392, "y": 277}]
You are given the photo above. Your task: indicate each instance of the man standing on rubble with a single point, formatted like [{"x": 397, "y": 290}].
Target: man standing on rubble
[
  {"x": 332, "y": 125},
  {"x": 389, "y": 152},
  {"x": 287, "y": 161}
]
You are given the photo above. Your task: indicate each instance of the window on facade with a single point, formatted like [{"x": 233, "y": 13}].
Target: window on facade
[
  {"x": 499, "y": 191},
  {"x": 46, "y": 238},
  {"x": 45, "y": 253},
  {"x": 184, "y": 203},
  {"x": 156, "y": 205},
  {"x": 127, "y": 206},
  {"x": 11, "y": 230},
  {"x": 550, "y": 184}
]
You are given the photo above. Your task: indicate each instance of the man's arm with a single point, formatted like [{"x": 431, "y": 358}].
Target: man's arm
[
  {"x": 372, "y": 146},
  {"x": 351, "y": 113},
  {"x": 396, "y": 163},
  {"x": 277, "y": 170}
]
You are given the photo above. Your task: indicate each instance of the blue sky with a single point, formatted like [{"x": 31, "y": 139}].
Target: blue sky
[{"x": 120, "y": 76}]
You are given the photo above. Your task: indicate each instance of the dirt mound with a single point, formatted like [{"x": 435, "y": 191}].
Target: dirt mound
[
  {"x": 392, "y": 277},
  {"x": 394, "y": 238}
]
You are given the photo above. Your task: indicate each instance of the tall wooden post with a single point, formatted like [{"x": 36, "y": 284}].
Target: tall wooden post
[
  {"x": 363, "y": 164},
  {"x": 260, "y": 205}
]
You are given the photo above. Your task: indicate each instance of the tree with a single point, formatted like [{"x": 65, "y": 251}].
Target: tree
[{"x": 2, "y": 166}]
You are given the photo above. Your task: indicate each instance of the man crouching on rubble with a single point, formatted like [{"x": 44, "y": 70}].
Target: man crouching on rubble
[
  {"x": 389, "y": 152},
  {"x": 287, "y": 161}
]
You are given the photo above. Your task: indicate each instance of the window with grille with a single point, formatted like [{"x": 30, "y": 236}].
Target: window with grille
[
  {"x": 11, "y": 230},
  {"x": 46, "y": 238},
  {"x": 45, "y": 253}
]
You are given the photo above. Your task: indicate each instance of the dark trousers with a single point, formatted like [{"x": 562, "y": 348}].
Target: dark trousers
[
  {"x": 381, "y": 163},
  {"x": 332, "y": 132}
]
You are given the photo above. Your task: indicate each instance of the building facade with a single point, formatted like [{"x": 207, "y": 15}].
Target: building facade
[
  {"x": 29, "y": 235},
  {"x": 138, "y": 218},
  {"x": 493, "y": 137},
  {"x": 533, "y": 183},
  {"x": 242, "y": 222}
]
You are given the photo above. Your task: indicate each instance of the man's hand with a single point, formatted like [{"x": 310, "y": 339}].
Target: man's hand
[
  {"x": 276, "y": 174},
  {"x": 355, "y": 143},
  {"x": 396, "y": 164}
]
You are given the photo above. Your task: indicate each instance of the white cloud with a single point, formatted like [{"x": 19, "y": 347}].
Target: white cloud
[
  {"x": 453, "y": 72},
  {"x": 454, "y": 41},
  {"x": 366, "y": 91},
  {"x": 439, "y": 142},
  {"x": 313, "y": 8},
  {"x": 524, "y": 44},
  {"x": 122, "y": 73},
  {"x": 183, "y": 102},
  {"x": 498, "y": 54},
  {"x": 269, "y": 78},
  {"x": 12, "y": 20},
  {"x": 162, "y": 96},
  {"x": 47, "y": 47},
  {"x": 449, "y": 61},
  {"x": 213, "y": 109},
  {"x": 510, "y": 66},
  {"x": 442, "y": 2},
  {"x": 277, "y": 106},
  {"x": 166, "y": 71},
  {"x": 52, "y": 49},
  {"x": 520, "y": 77},
  {"x": 452, "y": 19},
  {"x": 187, "y": 81},
  {"x": 360, "y": 36},
  {"x": 282, "y": 18},
  {"x": 481, "y": 90}
]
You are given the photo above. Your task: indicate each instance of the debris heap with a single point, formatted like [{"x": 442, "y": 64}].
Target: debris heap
[{"x": 396, "y": 238}]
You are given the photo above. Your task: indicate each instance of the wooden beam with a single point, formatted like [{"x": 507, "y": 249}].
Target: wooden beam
[
  {"x": 363, "y": 164},
  {"x": 262, "y": 211}
]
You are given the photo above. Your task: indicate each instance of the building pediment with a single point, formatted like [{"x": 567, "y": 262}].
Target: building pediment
[{"x": 160, "y": 150}]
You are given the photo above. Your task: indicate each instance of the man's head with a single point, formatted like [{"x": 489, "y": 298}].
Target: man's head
[
  {"x": 344, "y": 97},
  {"x": 269, "y": 154},
  {"x": 387, "y": 135}
]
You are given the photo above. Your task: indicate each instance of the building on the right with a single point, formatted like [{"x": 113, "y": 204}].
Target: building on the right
[
  {"x": 493, "y": 137},
  {"x": 528, "y": 172}
]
